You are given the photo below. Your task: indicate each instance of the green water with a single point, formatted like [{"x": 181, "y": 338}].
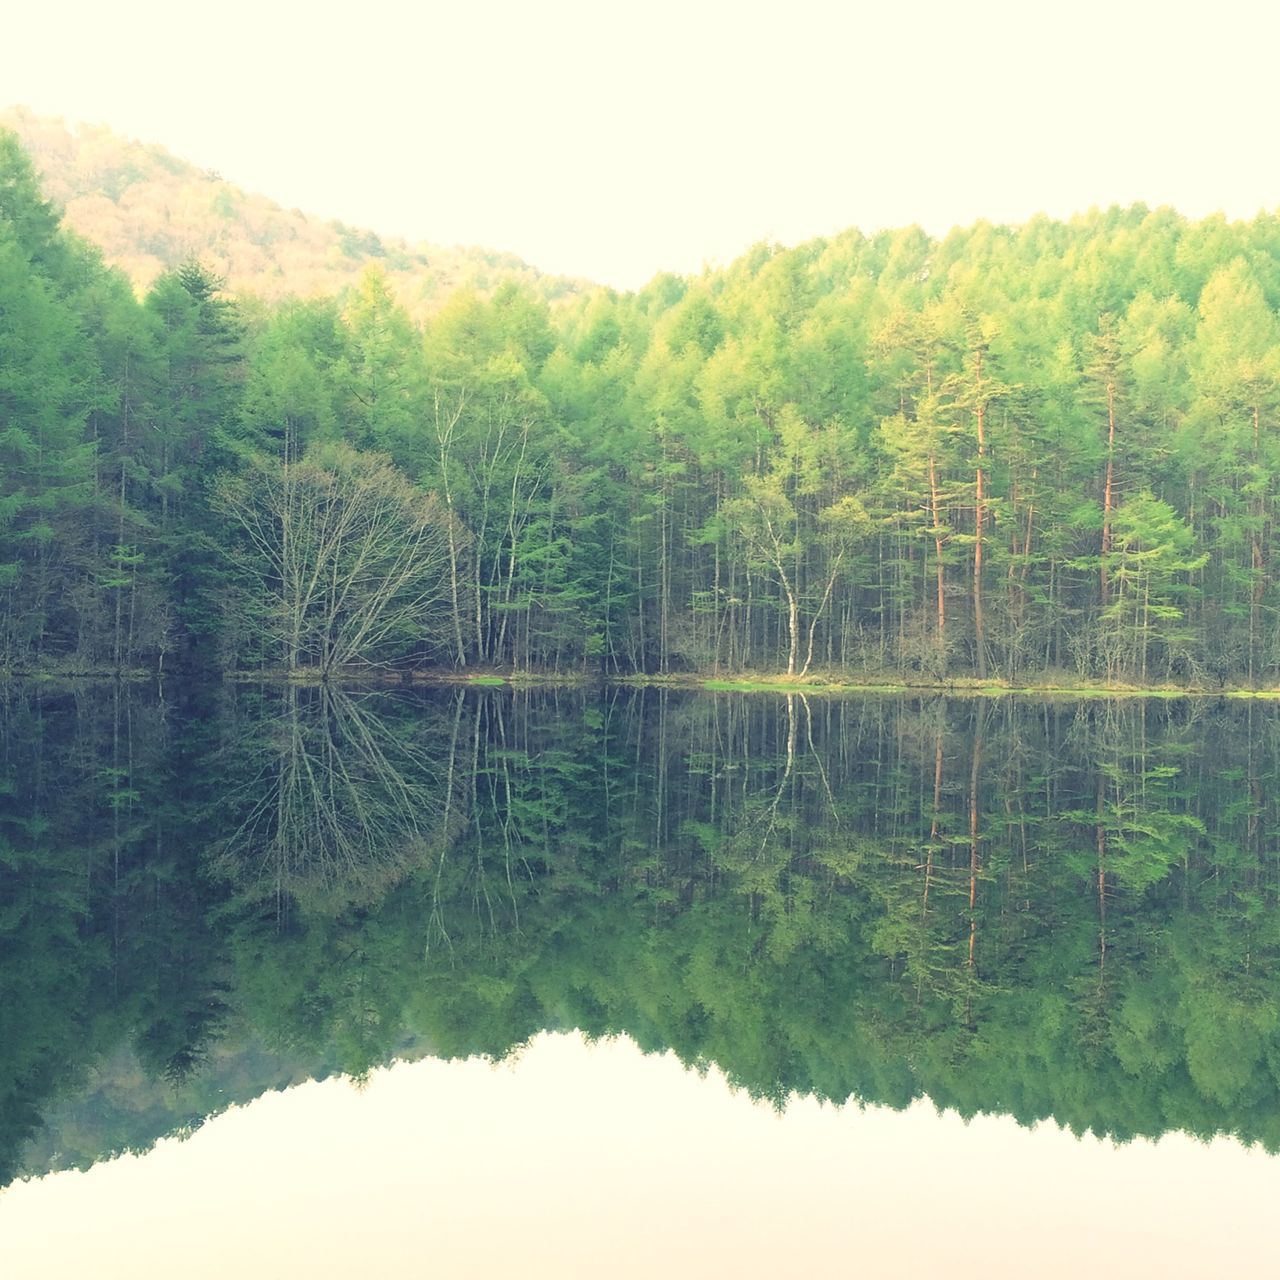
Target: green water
[{"x": 1040, "y": 909}]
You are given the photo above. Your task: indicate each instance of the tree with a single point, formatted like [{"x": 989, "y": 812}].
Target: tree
[
  {"x": 917, "y": 440},
  {"x": 294, "y": 390},
  {"x": 345, "y": 559},
  {"x": 194, "y": 416},
  {"x": 1236, "y": 373},
  {"x": 1152, "y": 547},
  {"x": 974, "y": 391},
  {"x": 383, "y": 368},
  {"x": 778, "y": 533},
  {"x": 481, "y": 445},
  {"x": 46, "y": 464},
  {"x": 1103, "y": 377}
]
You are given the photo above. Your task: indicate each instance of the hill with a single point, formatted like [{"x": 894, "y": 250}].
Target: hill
[{"x": 149, "y": 211}]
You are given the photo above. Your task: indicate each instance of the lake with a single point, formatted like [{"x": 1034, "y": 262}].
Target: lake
[{"x": 311, "y": 980}]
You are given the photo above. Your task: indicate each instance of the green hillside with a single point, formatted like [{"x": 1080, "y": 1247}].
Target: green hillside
[{"x": 148, "y": 211}]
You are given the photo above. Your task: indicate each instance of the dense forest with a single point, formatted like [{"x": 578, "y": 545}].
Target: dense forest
[
  {"x": 1040, "y": 908},
  {"x": 1017, "y": 452}
]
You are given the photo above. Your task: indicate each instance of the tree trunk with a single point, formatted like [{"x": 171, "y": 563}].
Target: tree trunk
[
  {"x": 1107, "y": 494},
  {"x": 979, "y": 519},
  {"x": 793, "y": 622},
  {"x": 938, "y": 564}
]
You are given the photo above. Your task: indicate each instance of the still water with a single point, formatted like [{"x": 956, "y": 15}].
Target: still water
[{"x": 636, "y": 981}]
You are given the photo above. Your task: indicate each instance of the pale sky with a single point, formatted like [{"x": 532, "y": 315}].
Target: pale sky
[{"x": 613, "y": 141}]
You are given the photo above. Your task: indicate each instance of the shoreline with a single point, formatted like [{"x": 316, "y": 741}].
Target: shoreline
[{"x": 745, "y": 682}]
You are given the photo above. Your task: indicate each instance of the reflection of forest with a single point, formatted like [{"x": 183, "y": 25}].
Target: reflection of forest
[{"x": 1039, "y": 908}]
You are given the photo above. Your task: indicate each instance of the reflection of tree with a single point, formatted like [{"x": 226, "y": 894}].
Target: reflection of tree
[{"x": 342, "y": 798}]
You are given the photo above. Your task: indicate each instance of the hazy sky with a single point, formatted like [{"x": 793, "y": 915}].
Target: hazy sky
[{"x": 614, "y": 141}]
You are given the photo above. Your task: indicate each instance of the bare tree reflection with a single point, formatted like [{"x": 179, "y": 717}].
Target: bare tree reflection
[{"x": 346, "y": 794}]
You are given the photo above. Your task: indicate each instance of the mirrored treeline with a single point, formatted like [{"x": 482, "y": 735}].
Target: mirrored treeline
[{"x": 1042, "y": 908}]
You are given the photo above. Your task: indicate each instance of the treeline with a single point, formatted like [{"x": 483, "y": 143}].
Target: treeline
[{"x": 1015, "y": 451}]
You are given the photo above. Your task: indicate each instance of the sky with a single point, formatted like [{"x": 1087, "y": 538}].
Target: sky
[{"x": 614, "y": 141}]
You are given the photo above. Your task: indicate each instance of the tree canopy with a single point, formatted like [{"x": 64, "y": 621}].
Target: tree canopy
[{"x": 1048, "y": 450}]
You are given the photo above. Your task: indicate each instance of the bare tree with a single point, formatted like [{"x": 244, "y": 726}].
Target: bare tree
[{"x": 351, "y": 560}]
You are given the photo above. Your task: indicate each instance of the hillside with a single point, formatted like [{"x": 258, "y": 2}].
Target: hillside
[{"x": 148, "y": 211}]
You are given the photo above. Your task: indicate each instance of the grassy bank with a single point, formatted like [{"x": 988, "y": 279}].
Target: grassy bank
[
  {"x": 763, "y": 682},
  {"x": 742, "y": 682}
]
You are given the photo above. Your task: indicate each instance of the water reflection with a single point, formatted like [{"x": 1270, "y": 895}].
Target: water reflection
[
  {"x": 579, "y": 1160},
  {"x": 1046, "y": 910},
  {"x": 336, "y": 798}
]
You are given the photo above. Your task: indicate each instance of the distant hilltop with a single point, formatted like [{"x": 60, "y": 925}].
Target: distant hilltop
[{"x": 149, "y": 211}]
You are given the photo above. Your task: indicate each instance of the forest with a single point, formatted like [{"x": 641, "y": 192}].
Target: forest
[{"x": 1034, "y": 453}]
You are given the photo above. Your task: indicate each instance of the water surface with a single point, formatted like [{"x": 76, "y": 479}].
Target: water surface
[{"x": 1024, "y": 910}]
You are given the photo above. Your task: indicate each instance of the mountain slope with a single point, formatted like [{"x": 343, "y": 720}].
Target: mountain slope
[{"x": 149, "y": 211}]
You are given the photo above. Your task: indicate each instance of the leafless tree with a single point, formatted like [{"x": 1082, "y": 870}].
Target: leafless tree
[{"x": 350, "y": 558}]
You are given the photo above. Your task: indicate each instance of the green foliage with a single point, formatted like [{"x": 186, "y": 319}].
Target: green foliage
[{"x": 1048, "y": 450}]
